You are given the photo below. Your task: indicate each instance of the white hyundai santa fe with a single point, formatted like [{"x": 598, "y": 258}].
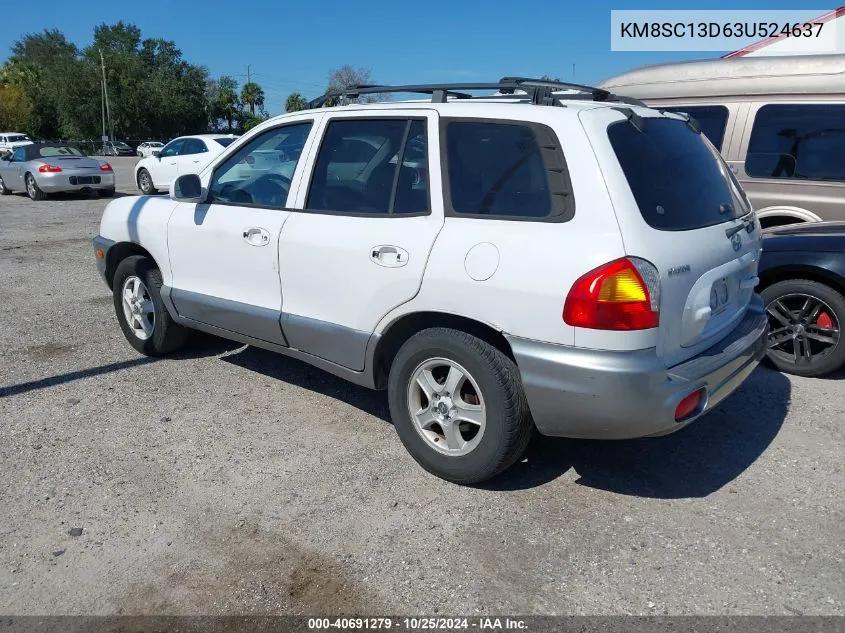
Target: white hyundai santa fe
[
  {"x": 183, "y": 155},
  {"x": 577, "y": 264}
]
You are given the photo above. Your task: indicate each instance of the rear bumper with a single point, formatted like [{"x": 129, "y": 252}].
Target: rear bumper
[
  {"x": 597, "y": 394},
  {"x": 52, "y": 183}
]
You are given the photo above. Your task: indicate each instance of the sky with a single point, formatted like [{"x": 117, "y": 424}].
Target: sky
[{"x": 292, "y": 46}]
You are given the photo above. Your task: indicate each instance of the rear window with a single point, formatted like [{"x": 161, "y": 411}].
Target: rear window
[
  {"x": 47, "y": 152},
  {"x": 225, "y": 141},
  {"x": 678, "y": 181},
  {"x": 712, "y": 119}
]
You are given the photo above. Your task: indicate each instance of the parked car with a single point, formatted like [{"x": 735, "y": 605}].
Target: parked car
[
  {"x": 802, "y": 281},
  {"x": 148, "y": 148},
  {"x": 10, "y": 141},
  {"x": 778, "y": 121},
  {"x": 116, "y": 148},
  {"x": 45, "y": 168},
  {"x": 183, "y": 155},
  {"x": 587, "y": 269}
]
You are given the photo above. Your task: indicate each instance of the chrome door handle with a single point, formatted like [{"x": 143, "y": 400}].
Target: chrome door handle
[
  {"x": 389, "y": 256},
  {"x": 256, "y": 236}
]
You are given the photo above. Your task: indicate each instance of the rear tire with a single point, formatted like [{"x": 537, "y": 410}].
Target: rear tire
[
  {"x": 788, "y": 328},
  {"x": 151, "y": 332},
  {"x": 145, "y": 183},
  {"x": 32, "y": 189},
  {"x": 486, "y": 387}
]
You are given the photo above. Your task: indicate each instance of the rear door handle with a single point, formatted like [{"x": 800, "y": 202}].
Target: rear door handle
[
  {"x": 389, "y": 256},
  {"x": 256, "y": 236}
]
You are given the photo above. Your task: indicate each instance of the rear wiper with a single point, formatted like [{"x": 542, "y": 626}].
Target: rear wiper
[{"x": 747, "y": 223}]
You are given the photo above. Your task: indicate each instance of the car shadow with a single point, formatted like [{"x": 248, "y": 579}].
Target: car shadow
[
  {"x": 694, "y": 462},
  {"x": 199, "y": 345},
  {"x": 301, "y": 374}
]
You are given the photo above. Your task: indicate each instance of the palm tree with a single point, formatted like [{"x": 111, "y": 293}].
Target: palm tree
[
  {"x": 252, "y": 95},
  {"x": 295, "y": 102}
]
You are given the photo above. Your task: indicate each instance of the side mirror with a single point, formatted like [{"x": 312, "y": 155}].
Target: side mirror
[
  {"x": 157, "y": 153},
  {"x": 187, "y": 188}
]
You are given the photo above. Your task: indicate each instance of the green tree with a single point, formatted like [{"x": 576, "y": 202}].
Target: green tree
[
  {"x": 14, "y": 108},
  {"x": 252, "y": 95},
  {"x": 295, "y": 102},
  {"x": 228, "y": 104}
]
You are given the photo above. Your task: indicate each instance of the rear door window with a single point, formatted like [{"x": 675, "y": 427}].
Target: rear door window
[
  {"x": 800, "y": 142},
  {"x": 193, "y": 146},
  {"x": 712, "y": 119},
  {"x": 678, "y": 181},
  {"x": 371, "y": 167}
]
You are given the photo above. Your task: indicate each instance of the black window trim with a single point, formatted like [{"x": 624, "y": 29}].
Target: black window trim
[
  {"x": 374, "y": 117},
  {"x": 775, "y": 178},
  {"x": 254, "y": 205},
  {"x": 562, "y": 201}
]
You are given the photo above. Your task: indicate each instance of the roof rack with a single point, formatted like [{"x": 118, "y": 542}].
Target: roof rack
[{"x": 537, "y": 91}]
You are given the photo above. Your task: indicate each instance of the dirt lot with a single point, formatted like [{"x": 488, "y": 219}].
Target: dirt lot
[{"x": 231, "y": 480}]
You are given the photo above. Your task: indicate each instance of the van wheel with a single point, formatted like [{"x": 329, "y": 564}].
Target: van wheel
[
  {"x": 458, "y": 405},
  {"x": 805, "y": 327},
  {"x": 141, "y": 312}
]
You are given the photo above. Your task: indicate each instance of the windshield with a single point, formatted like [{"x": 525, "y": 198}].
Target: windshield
[
  {"x": 19, "y": 138},
  {"x": 225, "y": 141},
  {"x": 50, "y": 151},
  {"x": 678, "y": 179}
]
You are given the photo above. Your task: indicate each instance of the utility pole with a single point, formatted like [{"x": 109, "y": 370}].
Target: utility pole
[
  {"x": 247, "y": 74},
  {"x": 106, "y": 94},
  {"x": 103, "y": 108}
]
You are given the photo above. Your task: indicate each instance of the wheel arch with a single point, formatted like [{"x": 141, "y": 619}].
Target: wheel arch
[
  {"x": 809, "y": 273},
  {"x": 779, "y": 216},
  {"x": 120, "y": 251},
  {"x": 397, "y": 332}
]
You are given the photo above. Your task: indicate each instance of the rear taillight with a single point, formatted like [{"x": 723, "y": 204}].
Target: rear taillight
[
  {"x": 105, "y": 167},
  {"x": 621, "y": 295},
  {"x": 49, "y": 169}
]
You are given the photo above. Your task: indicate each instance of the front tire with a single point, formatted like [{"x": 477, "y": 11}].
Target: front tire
[
  {"x": 458, "y": 405},
  {"x": 805, "y": 327},
  {"x": 4, "y": 190},
  {"x": 32, "y": 189},
  {"x": 145, "y": 183},
  {"x": 140, "y": 310}
]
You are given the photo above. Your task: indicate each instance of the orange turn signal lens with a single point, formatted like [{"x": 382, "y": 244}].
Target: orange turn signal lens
[{"x": 99, "y": 253}]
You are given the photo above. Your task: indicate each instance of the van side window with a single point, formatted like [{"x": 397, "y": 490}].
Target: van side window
[
  {"x": 803, "y": 142},
  {"x": 712, "y": 118}
]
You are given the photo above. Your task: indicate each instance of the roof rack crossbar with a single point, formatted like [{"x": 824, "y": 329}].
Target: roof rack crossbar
[{"x": 538, "y": 91}]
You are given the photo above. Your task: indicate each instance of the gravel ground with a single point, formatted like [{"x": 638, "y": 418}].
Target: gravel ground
[{"x": 231, "y": 480}]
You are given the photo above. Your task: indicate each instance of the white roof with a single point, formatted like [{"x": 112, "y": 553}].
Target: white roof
[{"x": 744, "y": 75}]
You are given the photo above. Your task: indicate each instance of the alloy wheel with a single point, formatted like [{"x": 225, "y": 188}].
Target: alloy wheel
[
  {"x": 802, "y": 328},
  {"x": 446, "y": 406},
  {"x": 138, "y": 308}
]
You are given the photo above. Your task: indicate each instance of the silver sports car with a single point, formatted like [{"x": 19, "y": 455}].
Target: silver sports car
[{"x": 43, "y": 168}]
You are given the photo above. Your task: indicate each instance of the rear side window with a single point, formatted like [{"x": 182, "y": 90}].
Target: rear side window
[
  {"x": 678, "y": 181},
  {"x": 712, "y": 119},
  {"x": 801, "y": 142},
  {"x": 505, "y": 170},
  {"x": 225, "y": 141}
]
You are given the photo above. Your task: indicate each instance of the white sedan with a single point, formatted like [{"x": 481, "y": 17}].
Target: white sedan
[
  {"x": 147, "y": 148},
  {"x": 183, "y": 155}
]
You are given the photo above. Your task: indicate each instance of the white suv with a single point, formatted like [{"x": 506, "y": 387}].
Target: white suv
[{"x": 585, "y": 267}]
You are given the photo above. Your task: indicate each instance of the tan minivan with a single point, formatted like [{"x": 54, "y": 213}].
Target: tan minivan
[{"x": 778, "y": 121}]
